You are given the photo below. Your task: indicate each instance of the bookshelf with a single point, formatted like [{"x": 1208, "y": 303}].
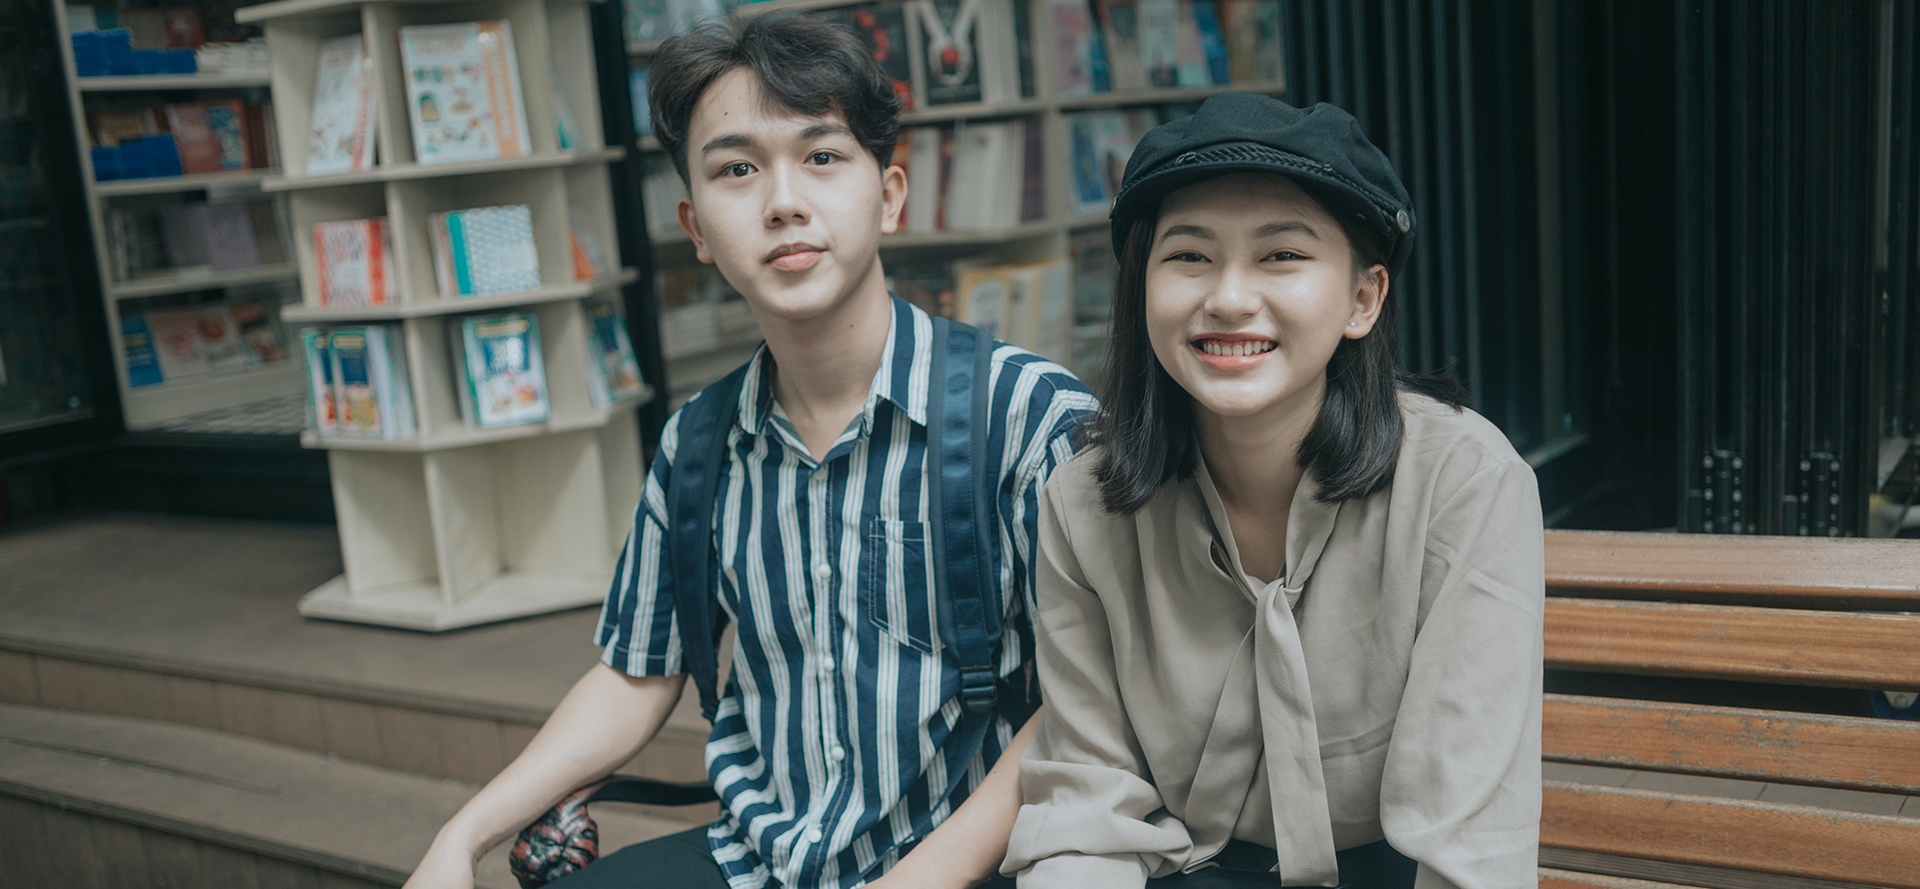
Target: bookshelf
[
  {"x": 451, "y": 524},
  {"x": 154, "y": 405},
  {"x": 1057, "y": 234}
]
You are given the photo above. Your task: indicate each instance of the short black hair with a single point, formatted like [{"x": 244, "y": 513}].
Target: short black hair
[
  {"x": 806, "y": 65},
  {"x": 1146, "y": 420}
]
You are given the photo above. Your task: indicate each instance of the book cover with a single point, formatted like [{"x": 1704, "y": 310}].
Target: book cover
[
  {"x": 978, "y": 161},
  {"x": 184, "y": 227},
  {"x": 949, "y": 29},
  {"x": 1073, "y": 31},
  {"x": 136, "y": 343},
  {"x": 1159, "y": 41},
  {"x": 229, "y": 235},
  {"x": 1268, "y": 64},
  {"x": 490, "y": 250},
  {"x": 111, "y": 128},
  {"x": 1120, "y": 36},
  {"x": 269, "y": 236},
  {"x": 341, "y": 139},
  {"x": 928, "y": 285},
  {"x": 176, "y": 340},
  {"x": 219, "y": 338},
  {"x": 883, "y": 28},
  {"x": 980, "y": 298},
  {"x": 1033, "y": 170},
  {"x": 193, "y": 137},
  {"x": 1089, "y": 193},
  {"x": 923, "y": 181},
  {"x": 227, "y": 125},
  {"x": 637, "y": 91},
  {"x": 354, "y": 260},
  {"x": 356, "y": 391},
  {"x": 1213, "y": 45},
  {"x": 463, "y": 92},
  {"x": 319, "y": 360},
  {"x": 614, "y": 369},
  {"x": 259, "y": 335},
  {"x": 647, "y": 21},
  {"x": 1115, "y": 140},
  {"x": 504, "y": 373}
]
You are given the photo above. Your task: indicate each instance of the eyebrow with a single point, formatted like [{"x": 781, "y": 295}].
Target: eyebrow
[{"x": 741, "y": 140}]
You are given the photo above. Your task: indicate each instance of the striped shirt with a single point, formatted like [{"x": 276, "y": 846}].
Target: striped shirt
[{"x": 829, "y": 746}]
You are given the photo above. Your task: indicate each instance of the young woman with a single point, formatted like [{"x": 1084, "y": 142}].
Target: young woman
[{"x": 1290, "y": 603}]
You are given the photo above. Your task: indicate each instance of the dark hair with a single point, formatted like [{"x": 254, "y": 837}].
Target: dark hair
[
  {"x": 1145, "y": 424},
  {"x": 807, "y": 66}
]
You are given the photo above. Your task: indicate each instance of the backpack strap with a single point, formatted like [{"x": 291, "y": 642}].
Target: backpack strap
[
  {"x": 960, "y": 486},
  {"x": 692, "y": 493}
]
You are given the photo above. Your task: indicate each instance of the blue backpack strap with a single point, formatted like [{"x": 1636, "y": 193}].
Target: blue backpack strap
[
  {"x": 960, "y": 489},
  {"x": 693, "y": 489}
]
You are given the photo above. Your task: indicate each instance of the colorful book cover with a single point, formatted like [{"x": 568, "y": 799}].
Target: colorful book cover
[
  {"x": 950, "y": 29},
  {"x": 354, "y": 260},
  {"x": 1191, "y": 66},
  {"x": 490, "y": 250},
  {"x": 1212, "y": 43},
  {"x": 883, "y": 28},
  {"x": 504, "y": 373},
  {"x": 614, "y": 369},
  {"x": 227, "y": 125},
  {"x": 136, "y": 343},
  {"x": 356, "y": 394},
  {"x": 981, "y": 299},
  {"x": 1089, "y": 183},
  {"x": 176, "y": 340},
  {"x": 463, "y": 92},
  {"x": 1268, "y": 67},
  {"x": 637, "y": 91},
  {"x": 193, "y": 138},
  {"x": 320, "y": 402},
  {"x": 342, "y": 136},
  {"x": 1120, "y": 35},
  {"x": 1115, "y": 141},
  {"x": 1159, "y": 41},
  {"x": 219, "y": 338},
  {"x": 1073, "y": 32},
  {"x": 259, "y": 335}
]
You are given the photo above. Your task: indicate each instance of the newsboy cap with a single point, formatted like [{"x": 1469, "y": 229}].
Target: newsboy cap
[{"x": 1239, "y": 132}]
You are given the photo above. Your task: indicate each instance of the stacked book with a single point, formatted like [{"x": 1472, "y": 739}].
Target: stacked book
[
  {"x": 173, "y": 343},
  {"x": 485, "y": 250},
  {"x": 170, "y": 238},
  {"x": 973, "y": 176},
  {"x": 354, "y": 261},
  {"x": 216, "y": 136},
  {"x": 1140, "y": 44},
  {"x": 463, "y": 92},
  {"x": 498, "y": 369},
  {"x": 357, "y": 381}
]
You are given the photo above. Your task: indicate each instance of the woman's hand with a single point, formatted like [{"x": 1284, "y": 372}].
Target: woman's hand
[{"x": 445, "y": 866}]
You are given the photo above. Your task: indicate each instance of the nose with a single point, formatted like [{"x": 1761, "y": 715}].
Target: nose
[
  {"x": 786, "y": 205},
  {"x": 1234, "y": 296}
]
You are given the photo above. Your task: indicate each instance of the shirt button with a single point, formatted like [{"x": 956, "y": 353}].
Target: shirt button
[
  {"x": 826, "y": 665},
  {"x": 839, "y": 753},
  {"x": 823, "y": 571},
  {"x": 813, "y": 835}
]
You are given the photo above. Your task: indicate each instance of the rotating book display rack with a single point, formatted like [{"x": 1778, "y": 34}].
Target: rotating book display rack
[{"x": 505, "y": 484}]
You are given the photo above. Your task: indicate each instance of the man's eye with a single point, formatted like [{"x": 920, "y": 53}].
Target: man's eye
[
  {"x": 822, "y": 158},
  {"x": 737, "y": 170}
]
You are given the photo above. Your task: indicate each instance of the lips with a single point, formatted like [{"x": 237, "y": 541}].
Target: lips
[
  {"x": 795, "y": 257},
  {"x": 1232, "y": 351}
]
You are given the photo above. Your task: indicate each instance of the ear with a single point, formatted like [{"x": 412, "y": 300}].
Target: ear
[
  {"x": 690, "y": 223},
  {"x": 1369, "y": 296},
  {"x": 893, "y": 198}
]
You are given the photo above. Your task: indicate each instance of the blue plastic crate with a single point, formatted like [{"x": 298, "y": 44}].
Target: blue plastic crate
[
  {"x": 162, "y": 155},
  {"x": 181, "y": 61},
  {"x": 106, "y": 163},
  {"x": 151, "y": 61}
]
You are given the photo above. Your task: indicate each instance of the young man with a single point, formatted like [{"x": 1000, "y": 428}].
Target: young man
[{"x": 834, "y": 747}]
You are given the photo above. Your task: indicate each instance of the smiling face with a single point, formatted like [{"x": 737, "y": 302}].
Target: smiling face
[
  {"x": 1250, "y": 285},
  {"x": 789, "y": 207}
]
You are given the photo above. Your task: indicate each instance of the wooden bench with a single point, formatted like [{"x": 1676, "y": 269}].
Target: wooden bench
[{"x": 1776, "y": 610}]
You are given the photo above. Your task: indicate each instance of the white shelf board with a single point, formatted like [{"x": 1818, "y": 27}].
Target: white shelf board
[
  {"x": 150, "y": 407},
  {"x": 398, "y": 172},
  {"x": 194, "y": 182},
  {"x": 286, "y": 9},
  {"x": 420, "y": 606},
  {"x": 934, "y": 114},
  {"x": 459, "y": 305},
  {"x": 649, "y": 143},
  {"x": 643, "y": 48},
  {"x": 158, "y": 285},
  {"x": 203, "y": 80},
  {"x": 466, "y": 437}
]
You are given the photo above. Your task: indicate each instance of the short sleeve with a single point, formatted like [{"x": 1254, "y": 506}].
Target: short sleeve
[{"x": 638, "y": 632}]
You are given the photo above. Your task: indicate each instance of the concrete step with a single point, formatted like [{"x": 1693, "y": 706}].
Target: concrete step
[
  {"x": 194, "y": 622},
  {"x": 102, "y": 801}
]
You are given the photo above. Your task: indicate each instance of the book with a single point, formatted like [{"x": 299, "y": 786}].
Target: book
[
  {"x": 502, "y": 378},
  {"x": 463, "y": 92},
  {"x": 613, "y": 370},
  {"x": 319, "y": 363},
  {"x": 1120, "y": 37},
  {"x": 111, "y": 128},
  {"x": 176, "y": 339},
  {"x": 996, "y": 44},
  {"x": 269, "y": 235},
  {"x": 485, "y": 250},
  {"x": 1267, "y": 62},
  {"x": 1190, "y": 68},
  {"x": 341, "y": 139},
  {"x": 1089, "y": 185},
  {"x": 1212, "y": 42},
  {"x": 371, "y": 393},
  {"x": 184, "y": 227},
  {"x": 637, "y": 91},
  {"x": 227, "y": 124},
  {"x": 229, "y": 236},
  {"x": 981, "y": 295},
  {"x": 1073, "y": 36},
  {"x": 923, "y": 180},
  {"x": 883, "y": 27},
  {"x": 136, "y": 343},
  {"x": 1159, "y": 22},
  {"x": 647, "y": 21},
  {"x": 984, "y": 184},
  {"x": 1033, "y": 170},
  {"x": 928, "y": 285},
  {"x": 354, "y": 261},
  {"x": 193, "y": 136},
  {"x": 259, "y": 334},
  {"x": 952, "y": 64},
  {"x": 219, "y": 338}
]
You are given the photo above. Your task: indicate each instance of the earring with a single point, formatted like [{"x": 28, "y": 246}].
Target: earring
[{"x": 1353, "y": 324}]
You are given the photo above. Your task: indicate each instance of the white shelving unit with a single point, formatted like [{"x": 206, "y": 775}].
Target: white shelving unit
[
  {"x": 1043, "y": 239},
  {"x": 156, "y": 406},
  {"x": 459, "y": 525}
]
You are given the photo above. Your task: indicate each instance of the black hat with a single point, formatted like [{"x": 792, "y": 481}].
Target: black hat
[{"x": 1239, "y": 132}]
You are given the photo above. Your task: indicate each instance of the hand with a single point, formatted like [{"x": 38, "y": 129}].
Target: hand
[{"x": 445, "y": 866}]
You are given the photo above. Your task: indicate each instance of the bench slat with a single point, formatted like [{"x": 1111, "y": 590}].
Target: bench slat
[
  {"x": 1869, "y": 651},
  {"x": 1879, "y": 755},
  {"x": 1553, "y": 878},
  {"x": 1801, "y": 841},
  {"x": 1834, "y": 574}
]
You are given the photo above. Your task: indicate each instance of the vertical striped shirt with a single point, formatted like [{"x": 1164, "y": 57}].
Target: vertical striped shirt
[{"x": 830, "y": 746}]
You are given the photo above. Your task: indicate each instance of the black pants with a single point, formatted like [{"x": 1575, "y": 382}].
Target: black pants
[{"x": 682, "y": 861}]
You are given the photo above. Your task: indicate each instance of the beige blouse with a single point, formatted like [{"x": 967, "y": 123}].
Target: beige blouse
[{"x": 1396, "y": 694}]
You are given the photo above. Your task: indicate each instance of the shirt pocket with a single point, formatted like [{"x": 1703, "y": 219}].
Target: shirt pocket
[{"x": 895, "y": 589}]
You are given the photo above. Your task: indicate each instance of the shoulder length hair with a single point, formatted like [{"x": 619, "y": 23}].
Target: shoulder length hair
[{"x": 1146, "y": 420}]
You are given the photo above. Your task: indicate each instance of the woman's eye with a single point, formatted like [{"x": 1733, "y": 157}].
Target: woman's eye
[
  {"x": 1186, "y": 256},
  {"x": 737, "y": 170},
  {"x": 1284, "y": 255},
  {"x": 821, "y": 158}
]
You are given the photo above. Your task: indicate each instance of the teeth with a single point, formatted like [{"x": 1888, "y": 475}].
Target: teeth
[{"x": 1236, "y": 350}]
